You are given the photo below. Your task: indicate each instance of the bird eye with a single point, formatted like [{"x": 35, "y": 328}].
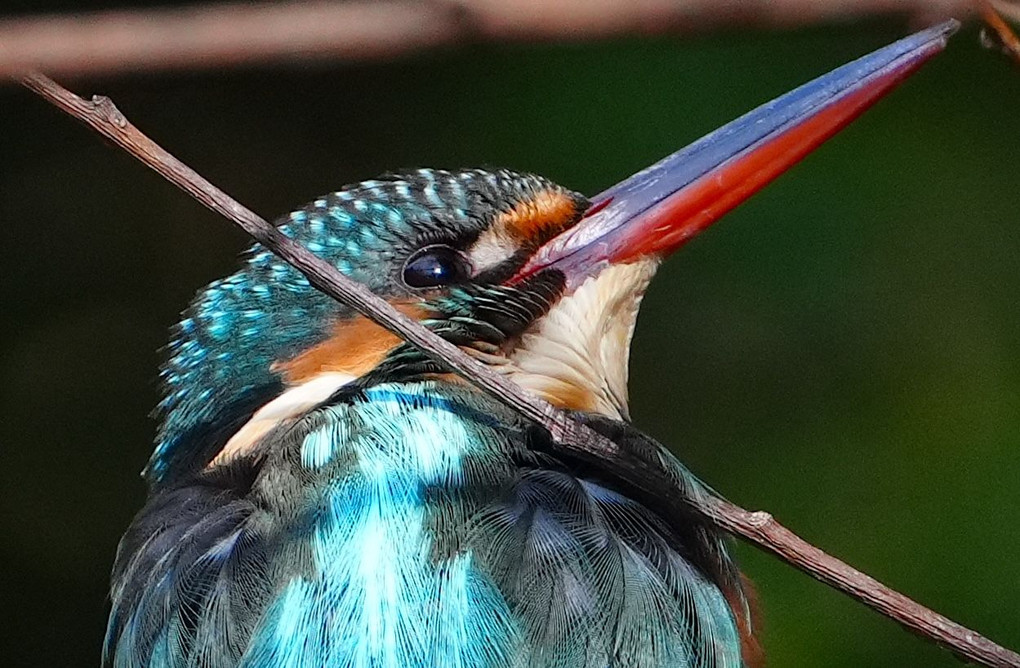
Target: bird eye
[{"x": 437, "y": 265}]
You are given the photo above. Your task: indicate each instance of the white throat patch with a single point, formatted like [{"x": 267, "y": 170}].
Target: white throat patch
[{"x": 577, "y": 355}]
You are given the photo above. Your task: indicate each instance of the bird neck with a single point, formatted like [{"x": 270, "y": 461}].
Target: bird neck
[{"x": 219, "y": 369}]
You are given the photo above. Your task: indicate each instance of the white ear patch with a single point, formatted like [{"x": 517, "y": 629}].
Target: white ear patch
[
  {"x": 493, "y": 246},
  {"x": 577, "y": 355}
]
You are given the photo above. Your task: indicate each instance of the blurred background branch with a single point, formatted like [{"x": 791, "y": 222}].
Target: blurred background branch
[
  {"x": 225, "y": 35},
  {"x": 1004, "y": 38}
]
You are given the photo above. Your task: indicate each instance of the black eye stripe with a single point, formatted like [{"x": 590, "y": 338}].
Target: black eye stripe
[{"x": 434, "y": 266}]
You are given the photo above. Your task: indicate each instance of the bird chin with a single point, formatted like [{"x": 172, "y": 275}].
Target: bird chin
[{"x": 576, "y": 356}]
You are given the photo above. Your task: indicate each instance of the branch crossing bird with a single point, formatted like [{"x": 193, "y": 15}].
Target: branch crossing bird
[{"x": 322, "y": 494}]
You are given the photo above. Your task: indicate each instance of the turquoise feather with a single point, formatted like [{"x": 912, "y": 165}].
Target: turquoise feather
[{"x": 412, "y": 526}]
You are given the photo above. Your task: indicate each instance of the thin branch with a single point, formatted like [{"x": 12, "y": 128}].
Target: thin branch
[
  {"x": 572, "y": 439},
  {"x": 101, "y": 115},
  {"x": 228, "y": 35}
]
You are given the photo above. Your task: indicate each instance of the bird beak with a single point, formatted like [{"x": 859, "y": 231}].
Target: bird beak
[{"x": 655, "y": 211}]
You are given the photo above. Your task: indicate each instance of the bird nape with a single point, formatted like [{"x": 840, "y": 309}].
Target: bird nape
[{"x": 323, "y": 494}]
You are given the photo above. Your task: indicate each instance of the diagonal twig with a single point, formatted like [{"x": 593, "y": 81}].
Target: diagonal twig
[{"x": 571, "y": 438}]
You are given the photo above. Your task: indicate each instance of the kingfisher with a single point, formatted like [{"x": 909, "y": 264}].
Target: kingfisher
[{"x": 322, "y": 494}]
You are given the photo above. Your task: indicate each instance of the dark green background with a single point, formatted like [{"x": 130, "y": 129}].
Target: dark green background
[{"x": 842, "y": 350}]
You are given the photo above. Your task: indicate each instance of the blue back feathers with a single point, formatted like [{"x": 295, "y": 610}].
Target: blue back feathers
[
  {"x": 408, "y": 526},
  {"x": 403, "y": 523}
]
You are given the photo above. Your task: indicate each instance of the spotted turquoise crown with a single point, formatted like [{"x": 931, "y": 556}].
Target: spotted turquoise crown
[{"x": 219, "y": 368}]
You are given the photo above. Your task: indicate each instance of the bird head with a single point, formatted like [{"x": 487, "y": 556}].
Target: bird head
[{"x": 529, "y": 277}]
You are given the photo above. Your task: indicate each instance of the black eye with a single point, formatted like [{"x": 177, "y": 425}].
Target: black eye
[{"x": 437, "y": 265}]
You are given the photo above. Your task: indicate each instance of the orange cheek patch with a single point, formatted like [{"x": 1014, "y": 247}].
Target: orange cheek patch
[
  {"x": 539, "y": 218},
  {"x": 356, "y": 347}
]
